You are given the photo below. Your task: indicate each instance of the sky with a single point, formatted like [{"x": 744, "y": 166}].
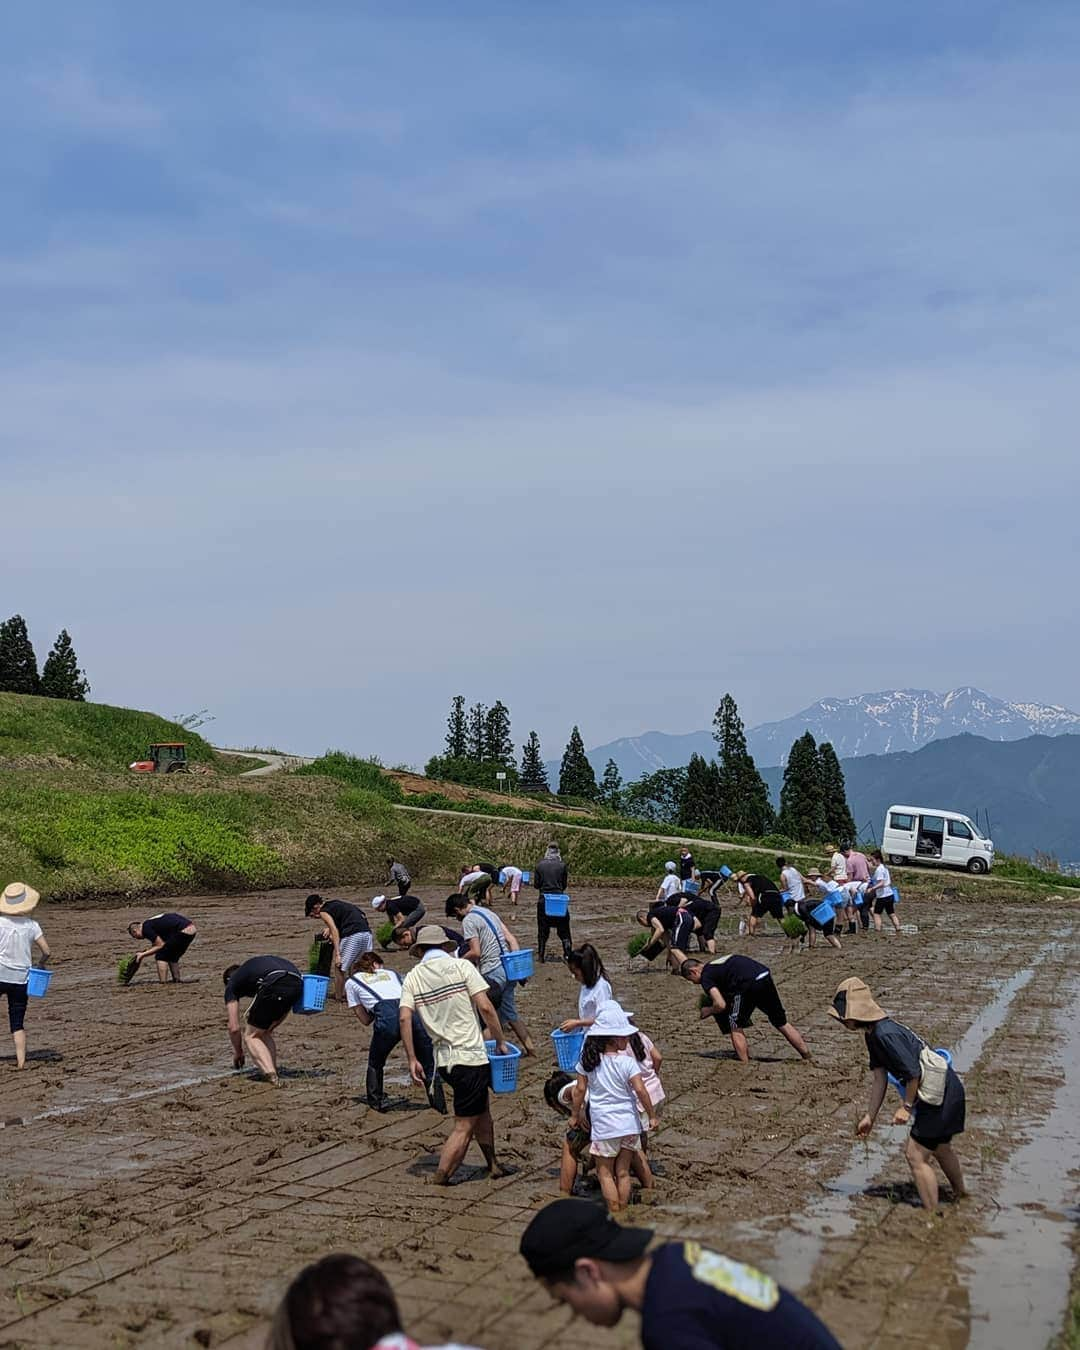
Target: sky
[{"x": 601, "y": 359}]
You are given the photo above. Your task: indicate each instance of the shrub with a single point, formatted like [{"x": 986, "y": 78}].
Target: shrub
[{"x": 367, "y": 774}]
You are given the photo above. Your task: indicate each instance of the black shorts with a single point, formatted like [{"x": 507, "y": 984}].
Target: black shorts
[
  {"x": 469, "y": 1084},
  {"x": 769, "y": 903},
  {"x": 884, "y": 905},
  {"x": 708, "y": 924},
  {"x": 16, "y": 1004},
  {"x": 274, "y": 1000},
  {"x": 760, "y": 997},
  {"x": 682, "y": 930},
  {"x": 175, "y": 947}
]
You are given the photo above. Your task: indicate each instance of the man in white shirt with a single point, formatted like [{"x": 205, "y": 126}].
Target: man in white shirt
[
  {"x": 792, "y": 886},
  {"x": 447, "y": 993}
]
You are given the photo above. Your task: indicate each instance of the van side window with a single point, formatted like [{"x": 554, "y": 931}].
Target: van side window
[
  {"x": 958, "y": 830},
  {"x": 899, "y": 821},
  {"x": 933, "y": 824}
]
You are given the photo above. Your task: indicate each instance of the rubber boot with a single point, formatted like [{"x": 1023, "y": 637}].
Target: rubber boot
[
  {"x": 376, "y": 1098},
  {"x": 542, "y": 951},
  {"x": 567, "y": 950}
]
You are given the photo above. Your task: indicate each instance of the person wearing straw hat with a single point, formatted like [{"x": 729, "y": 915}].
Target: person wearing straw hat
[
  {"x": 19, "y": 935},
  {"x": 689, "y": 1298},
  {"x": 933, "y": 1101},
  {"x": 447, "y": 993},
  {"x": 736, "y": 987}
]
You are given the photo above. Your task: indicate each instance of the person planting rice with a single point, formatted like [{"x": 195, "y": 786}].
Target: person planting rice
[
  {"x": 273, "y": 985},
  {"x": 403, "y": 911},
  {"x": 19, "y": 935},
  {"x": 881, "y": 889},
  {"x": 489, "y": 940},
  {"x": 760, "y": 897},
  {"x": 550, "y": 877},
  {"x": 822, "y": 888},
  {"x": 791, "y": 882},
  {"x": 933, "y": 1100},
  {"x": 711, "y": 881},
  {"x": 736, "y": 987},
  {"x": 374, "y": 993},
  {"x": 447, "y": 993},
  {"x": 407, "y": 937},
  {"x": 511, "y": 882},
  {"x": 576, "y": 1161},
  {"x": 612, "y": 1078},
  {"x": 169, "y": 935},
  {"x": 707, "y": 912},
  {"x": 588, "y": 969},
  {"x": 475, "y": 883},
  {"x": 348, "y": 930},
  {"x": 670, "y": 924},
  {"x": 689, "y": 1298}
]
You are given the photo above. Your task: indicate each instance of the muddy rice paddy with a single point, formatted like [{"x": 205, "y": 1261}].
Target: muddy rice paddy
[{"x": 153, "y": 1196}]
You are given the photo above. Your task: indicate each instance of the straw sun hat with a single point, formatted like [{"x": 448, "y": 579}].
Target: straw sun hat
[
  {"x": 853, "y": 1001},
  {"x": 18, "y": 898}
]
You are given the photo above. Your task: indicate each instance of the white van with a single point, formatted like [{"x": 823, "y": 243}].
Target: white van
[{"x": 928, "y": 835}]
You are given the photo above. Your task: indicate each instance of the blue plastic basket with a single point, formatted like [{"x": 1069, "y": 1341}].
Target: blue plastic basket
[
  {"x": 502, "y": 878},
  {"x": 518, "y": 965},
  {"x": 691, "y": 888},
  {"x": 896, "y": 901},
  {"x": 938, "y": 1050},
  {"x": 823, "y": 913},
  {"x": 313, "y": 999},
  {"x": 725, "y": 872},
  {"x": 785, "y": 896},
  {"x": 37, "y": 982},
  {"x": 556, "y": 906},
  {"x": 568, "y": 1045},
  {"x": 526, "y": 877},
  {"x": 504, "y": 1068}
]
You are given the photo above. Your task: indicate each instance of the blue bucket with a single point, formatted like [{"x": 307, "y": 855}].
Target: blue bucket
[
  {"x": 37, "y": 982},
  {"x": 785, "y": 896},
  {"x": 568, "y": 1046},
  {"x": 896, "y": 901},
  {"x": 518, "y": 965},
  {"x": 504, "y": 1068},
  {"x": 725, "y": 872},
  {"x": 502, "y": 878},
  {"x": 823, "y": 913},
  {"x": 691, "y": 888},
  {"x": 938, "y": 1050},
  {"x": 313, "y": 999},
  {"x": 556, "y": 906},
  {"x": 526, "y": 877}
]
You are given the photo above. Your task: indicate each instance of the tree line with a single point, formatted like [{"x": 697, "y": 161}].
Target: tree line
[
  {"x": 726, "y": 794},
  {"x": 60, "y": 677}
]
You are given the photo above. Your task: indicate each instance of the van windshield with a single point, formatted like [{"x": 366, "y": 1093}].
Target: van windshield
[{"x": 974, "y": 828}]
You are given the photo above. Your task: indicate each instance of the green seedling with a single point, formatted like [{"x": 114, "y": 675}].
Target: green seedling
[
  {"x": 384, "y": 933},
  {"x": 637, "y": 944},
  {"x": 126, "y": 969}
]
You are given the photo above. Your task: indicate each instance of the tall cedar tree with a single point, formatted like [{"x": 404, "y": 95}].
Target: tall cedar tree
[
  {"x": 457, "y": 730},
  {"x": 18, "y": 664},
  {"x": 656, "y": 796},
  {"x": 533, "y": 774},
  {"x": 498, "y": 743},
  {"x": 477, "y": 737},
  {"x": 839, "y": 822},
  {"x": 699, "y": 807},
  {"x": 744, "y": 799},
  {"x": 576, "y": 776},
  {"x": 60, "y": 675},
  {"x": 802, "y": 801},
  {"x": 611, "y": 787}
]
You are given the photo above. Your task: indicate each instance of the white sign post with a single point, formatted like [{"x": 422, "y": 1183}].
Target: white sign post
[{"x": 500, "y": 778}]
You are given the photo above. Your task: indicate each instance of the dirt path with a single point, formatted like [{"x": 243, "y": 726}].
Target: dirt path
[
  {"x": 154, "y": 1196},
  {"x": 271, "y": 763}
]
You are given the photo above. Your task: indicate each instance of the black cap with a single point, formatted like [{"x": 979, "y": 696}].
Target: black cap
[{"x": 569, "y": 1229}]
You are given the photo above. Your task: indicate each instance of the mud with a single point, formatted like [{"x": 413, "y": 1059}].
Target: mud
[{"x": 153, "y": 1196}]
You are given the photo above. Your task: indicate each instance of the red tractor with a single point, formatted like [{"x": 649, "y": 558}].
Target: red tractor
[{"x": 163, "y": 757}]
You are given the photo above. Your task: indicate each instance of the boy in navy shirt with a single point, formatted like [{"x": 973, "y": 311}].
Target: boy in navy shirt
[{"x": 736, "y": 987}]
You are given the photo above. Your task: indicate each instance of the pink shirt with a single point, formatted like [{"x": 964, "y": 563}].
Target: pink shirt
[
  {"x": 650, "y": 1079},
  {"x": 858, "y": 869}
]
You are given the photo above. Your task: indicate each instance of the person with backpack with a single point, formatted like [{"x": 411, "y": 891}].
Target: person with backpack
[
  {"x": 489, "y": 940},
  {"x": 373, "y": 992},
  {"x": 550, "y": 877},
  {"x": 932, "y": 1095}
]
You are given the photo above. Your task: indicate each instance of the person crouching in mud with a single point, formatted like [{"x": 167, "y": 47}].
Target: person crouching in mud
[
  {"x": 735, "y": 987},
  {"x": 273, "y": 985},
  {"x": 896, "y": 1050}
]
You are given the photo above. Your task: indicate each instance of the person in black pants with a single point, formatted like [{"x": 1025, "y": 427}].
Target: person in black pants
[
  {"x": 707, "y": 912},
  {"x": 735, "y": 987},
  {"x": 550, "y": 877},
  {"x": 374, "y": 994},
  {"x": 169, "y": 935}
]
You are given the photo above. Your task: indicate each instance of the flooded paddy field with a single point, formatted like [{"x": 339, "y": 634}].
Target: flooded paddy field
[{"x": 156, "y": 1197}]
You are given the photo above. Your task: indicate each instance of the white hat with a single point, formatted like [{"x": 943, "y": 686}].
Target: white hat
[
  {"x": 669, "y": 867},
  {"x": 18, "y": 898},
  {"x": 379, "y": 902},
  {"x": 611, "y": 1020},
  {"x": 565, "y": 1093}
]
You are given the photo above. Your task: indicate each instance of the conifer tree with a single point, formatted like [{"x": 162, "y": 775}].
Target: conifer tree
[
  {"x": 839, "y": 822},
  {"x": 18, "y": 664},
  {"x": 533, "y": 774},
  {"x": 656, "y": 796},
  {"x": 477, "y": 737},
  {"x": 697, "y": 810},
  {"x": 802, "y": 802},
  {"x": 744, "y": 806},
  {"x": 498, "y": 744},
  {"x": 61, "y": 676},
  {"x": 457, "y": 730},
  {"x": 576, "y": 776},
  {"x": 610, "y": 794}
]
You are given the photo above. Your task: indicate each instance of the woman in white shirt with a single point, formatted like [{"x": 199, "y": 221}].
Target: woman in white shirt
[
  {"x": 19, "y": 935},
  {"x": 587, "y": 968},
  {"x": 881, "y": 888}
]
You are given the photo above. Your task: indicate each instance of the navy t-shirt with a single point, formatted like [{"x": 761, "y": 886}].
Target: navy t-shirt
[
  {"x": 244, "y": 981},
  {"x": 405, "y": 904},
  {"x": 696, "y": 1299},
  {"x": 731, "y": 975},
  {"x": 347, "y": 918},
  {"x": 895, "y": 1049},
  {"x": 686, "y": 867},
  {"x": 668, "y": 916},
  {"x": 163, "y": 926}
]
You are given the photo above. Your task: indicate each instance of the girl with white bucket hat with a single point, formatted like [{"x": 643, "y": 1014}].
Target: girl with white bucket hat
[{"x": 19, "y": 935}]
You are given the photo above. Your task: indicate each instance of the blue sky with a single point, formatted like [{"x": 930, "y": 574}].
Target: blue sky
[{"x": 599, "y": 358}]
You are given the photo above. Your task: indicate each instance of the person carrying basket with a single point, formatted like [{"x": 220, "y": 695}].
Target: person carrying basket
[{"x": 550, "y": 877}]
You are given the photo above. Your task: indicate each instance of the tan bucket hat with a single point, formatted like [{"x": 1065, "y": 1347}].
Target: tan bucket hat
[
  {"x": 854, "y": 1000},
  {"x": 432, "y": 936},
  {"x": 18, "y": 898}
]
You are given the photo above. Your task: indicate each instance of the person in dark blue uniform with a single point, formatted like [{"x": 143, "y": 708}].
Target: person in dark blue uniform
[
  {"x": 169, "y": 935},
  {"x": 273, "y": 985},
  {"x": 734, "y": 988}
]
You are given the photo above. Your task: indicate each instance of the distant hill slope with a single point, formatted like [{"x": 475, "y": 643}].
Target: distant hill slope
[
  {"x": 90, "y": 733},
  {"x": 1028, "y": 787},
  {"x": 865, "y": 724}
]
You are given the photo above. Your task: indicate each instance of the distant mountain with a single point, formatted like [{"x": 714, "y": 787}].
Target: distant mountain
[
  {"x": 1028, "y": 787},
  {"x": 868, "y": 724}
]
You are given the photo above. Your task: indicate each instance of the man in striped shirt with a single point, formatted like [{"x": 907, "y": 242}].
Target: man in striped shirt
[{"x": 446, "y": 993}]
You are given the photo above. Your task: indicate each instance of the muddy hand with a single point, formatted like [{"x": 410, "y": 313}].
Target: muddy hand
[{"x": 864, "y": 1127}]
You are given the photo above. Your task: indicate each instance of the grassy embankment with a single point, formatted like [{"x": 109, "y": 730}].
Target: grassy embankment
[{"x": 74, "y": 822}]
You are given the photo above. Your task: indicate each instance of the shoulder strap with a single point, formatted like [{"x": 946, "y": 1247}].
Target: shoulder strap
[{"x": 494, "y": 928}]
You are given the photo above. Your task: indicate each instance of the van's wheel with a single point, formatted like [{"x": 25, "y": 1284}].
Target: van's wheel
[
  {"x": 896, "y": 859},
  {"x": 977, "y": 866}
]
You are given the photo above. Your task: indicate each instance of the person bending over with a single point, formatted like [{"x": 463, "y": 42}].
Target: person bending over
[
  {"x": 349, "y": 931},
  {"x": 760, "y": 897},
  {"x": 169, "y": 935},
  {"x": 404, "y": 911},
  {"x": 736, "y": 987},
  {"x": 373, "y": 992},
  {"x": 273, "y": 985}
]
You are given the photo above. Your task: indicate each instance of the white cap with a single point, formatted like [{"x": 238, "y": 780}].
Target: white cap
[
  {"x": 669, "y": 867},
  {"x": 379, "y": 902}
]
